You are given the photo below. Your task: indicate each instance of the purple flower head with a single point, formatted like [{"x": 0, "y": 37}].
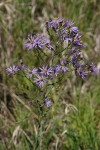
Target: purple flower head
[
  {"x": 41, "y": 41},
  {"x": 45, "y": 71},
  {"x": 54, "y": 24},
  {"x": 77, "y": 40},
  {"x": 78, "y": 35},
  {"x": 65, "y": 24},
  {"x": 74, "y": 29},
  {"x": 63, "y": 33},
  {"x": 55, "y": 69},
  {"x": 21, "y": 61},
  {"x": 28, "y": 72},
  {"x": 29, "y": 43},
  {"x": 12, "y": 70},
  {"x": 40, "y": 80},
  {"x": 35, "y": 71},
  {"x": 31, "y": 103},
  {"x": 68, "y": 24},
  {"x": 93, "y": 68},
  {"x": 81, "y": 72},
  {"x": 62, "y": 66},
  {"x": 74, "y": 32},
  {"x": 21, "y": 67},
  {"x": 37, "y": 41},
  {"x": 75, "y": 58},
  {"x": 48, "y": 103},
  {"x": 78, "y": 43}
]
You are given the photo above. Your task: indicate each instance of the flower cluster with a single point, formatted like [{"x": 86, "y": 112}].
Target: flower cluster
[
  {"x": 71, "y": 60},
  {"x": 66, "y": 30},
  {"x": 44, "y": 74}
]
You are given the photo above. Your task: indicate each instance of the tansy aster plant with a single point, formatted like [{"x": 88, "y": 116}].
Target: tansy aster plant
[{"x": 60, "y": 60}]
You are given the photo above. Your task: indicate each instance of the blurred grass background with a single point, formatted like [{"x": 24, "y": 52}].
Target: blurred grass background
[{"x": 21, "y": 127}]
